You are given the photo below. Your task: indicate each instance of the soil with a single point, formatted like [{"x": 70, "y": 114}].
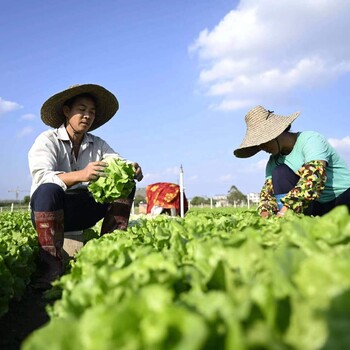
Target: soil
[{"x": 23, "y": 317}]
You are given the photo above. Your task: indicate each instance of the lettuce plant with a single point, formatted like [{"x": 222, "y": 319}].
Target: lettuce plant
[{"x": 118, "y": 182}]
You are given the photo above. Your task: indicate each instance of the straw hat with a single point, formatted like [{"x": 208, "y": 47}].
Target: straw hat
[
  {"x": 106, "y": 105},
  {"x": 262, "y": 126}
]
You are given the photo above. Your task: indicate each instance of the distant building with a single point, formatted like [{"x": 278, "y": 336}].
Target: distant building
[
  {"x": 220, "y": 200},
  {"x": 253, "y": 197},
  {"x": 142, "y": 208}
]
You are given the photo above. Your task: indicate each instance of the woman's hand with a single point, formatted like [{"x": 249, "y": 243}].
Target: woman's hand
[
  {"x": 138, "y": 172},
  {"x": 282, "y": 212},
  {"x": 93, "y": 171},
  {"x": 264, "y": 214}
]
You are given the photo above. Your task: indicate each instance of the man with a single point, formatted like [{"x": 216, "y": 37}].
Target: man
[{"x": 62, "y": 162}]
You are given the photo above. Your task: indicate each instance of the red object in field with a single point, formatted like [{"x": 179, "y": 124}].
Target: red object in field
[{"x": 164, "y": 195}]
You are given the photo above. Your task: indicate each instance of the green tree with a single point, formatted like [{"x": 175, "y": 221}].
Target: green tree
[
  {"x": 26, "y": 200},
  {"x": 197, "y": 200},
  {"x": 235, "y": 195},
  {"x": 140, "y": 196},
  {"x": 138, "y": 199}
]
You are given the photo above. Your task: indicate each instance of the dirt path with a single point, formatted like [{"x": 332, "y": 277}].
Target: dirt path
[{"x": 23, "y": 318}]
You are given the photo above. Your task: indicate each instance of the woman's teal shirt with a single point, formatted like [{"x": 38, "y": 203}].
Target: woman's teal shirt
[{"x": 309, "y": 146}]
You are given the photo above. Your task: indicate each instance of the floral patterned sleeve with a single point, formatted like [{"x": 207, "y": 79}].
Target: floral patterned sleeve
[
  {"x": 309, "y": 187},
  {"x": 267, "y": 200}
]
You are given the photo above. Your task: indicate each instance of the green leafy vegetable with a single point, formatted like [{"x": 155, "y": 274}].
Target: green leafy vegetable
[
  {"x": 117, "y": 184},
  {"x": 18, "y": 250},
  {"x": 219, "y": 278}
]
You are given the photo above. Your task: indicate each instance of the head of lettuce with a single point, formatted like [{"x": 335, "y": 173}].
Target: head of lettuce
[{"x": 118, "y": 181}]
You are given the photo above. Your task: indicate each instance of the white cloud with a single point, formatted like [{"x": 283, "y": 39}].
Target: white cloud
[
  {"x": 230, "y": 105},
  {"x": 28, "y": 116},
  {"x": 172, "y": 171},
  {"x": 8, "y": 106},
  {"x": 192, "y": 178},
  {"x": 170, "y": 174},
  {"x": 342, "y": 144},
  {"x": 343, "y": 147},
  {"x": 259, "y": 165},
  {"x": 271, "y": 47},
  {"x": 225, "y": 178},
  {"x": 25, "y": 131},
  {"x": 149, "y": 176},
  {"x": 257, "y": 168}
]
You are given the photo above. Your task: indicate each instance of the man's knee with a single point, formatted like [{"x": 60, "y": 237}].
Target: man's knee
[{"x": 47, "y": 197}]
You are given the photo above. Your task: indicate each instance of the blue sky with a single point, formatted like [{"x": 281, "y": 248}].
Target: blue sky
[{"x": 185, "y": 74}]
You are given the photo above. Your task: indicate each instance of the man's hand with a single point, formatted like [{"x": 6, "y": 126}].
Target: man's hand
[
  {"x": 93, "y": 171},
  {"x": 138, "y": 172}
]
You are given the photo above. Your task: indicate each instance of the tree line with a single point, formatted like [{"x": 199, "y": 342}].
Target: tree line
[{"x": 234, "y": 196}]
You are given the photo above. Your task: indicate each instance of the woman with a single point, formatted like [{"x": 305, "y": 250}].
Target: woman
[
  {"x": 304, "y": 172},
  {"x": 62, "y": 162}
]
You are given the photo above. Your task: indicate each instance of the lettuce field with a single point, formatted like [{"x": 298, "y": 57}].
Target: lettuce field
[
  {"x": 18, "y": 249},
  {"x": 217, "y": 279}
]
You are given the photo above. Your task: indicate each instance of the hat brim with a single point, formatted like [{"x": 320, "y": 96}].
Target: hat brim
[
  {"x": 106, "y": 105},
  {"x": 273, "y": 127},
  {"x": 246, "y": 152}
]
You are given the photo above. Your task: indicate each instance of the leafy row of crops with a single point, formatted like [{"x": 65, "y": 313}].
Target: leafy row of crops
[
  {"x": 18, "y": 251},
  {"x": 214, "y": 280}
]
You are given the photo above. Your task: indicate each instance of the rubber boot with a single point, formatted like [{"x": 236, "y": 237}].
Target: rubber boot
[
  {"x": 50, "y": 229},
  {"x": 117, "y": 216}
]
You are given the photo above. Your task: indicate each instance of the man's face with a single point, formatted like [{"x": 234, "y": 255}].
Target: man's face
[{"x": 81, "y": 115}]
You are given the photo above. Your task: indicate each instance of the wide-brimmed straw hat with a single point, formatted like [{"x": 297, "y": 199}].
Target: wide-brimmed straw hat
[
  {"x": 106, "y": 105},
  {"x": 262, "y": 126}
]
